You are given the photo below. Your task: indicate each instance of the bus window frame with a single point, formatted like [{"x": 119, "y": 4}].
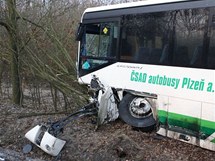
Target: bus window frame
[
  {"x": 79, "y": 32},
  {"x": 110, "y": 59}
]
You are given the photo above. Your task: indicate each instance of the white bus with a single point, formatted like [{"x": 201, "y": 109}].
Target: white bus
[{"x": 159, "y": 57}]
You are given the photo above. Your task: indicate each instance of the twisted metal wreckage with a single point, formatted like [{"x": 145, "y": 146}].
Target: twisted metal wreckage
[{"x": 103, "y": 104}]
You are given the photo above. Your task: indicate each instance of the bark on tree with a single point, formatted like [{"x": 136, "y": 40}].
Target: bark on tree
[{"x": 13, "y": 35}]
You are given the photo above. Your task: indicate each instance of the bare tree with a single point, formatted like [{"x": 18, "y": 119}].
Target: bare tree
[
  {"x": 10, "y": 24},
  {"x": 39, "y": 36}
]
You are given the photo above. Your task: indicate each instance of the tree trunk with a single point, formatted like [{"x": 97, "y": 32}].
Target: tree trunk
[{"x": 13, "y": 33}]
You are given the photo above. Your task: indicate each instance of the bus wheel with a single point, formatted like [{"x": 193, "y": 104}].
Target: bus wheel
[{"x": 137, "y": 112}]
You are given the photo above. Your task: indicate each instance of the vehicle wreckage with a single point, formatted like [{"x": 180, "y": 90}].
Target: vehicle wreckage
[{"x": 103, "y": 103}]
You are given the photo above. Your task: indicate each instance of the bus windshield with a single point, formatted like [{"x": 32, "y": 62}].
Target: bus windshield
[{"x": 98, "y": 45}]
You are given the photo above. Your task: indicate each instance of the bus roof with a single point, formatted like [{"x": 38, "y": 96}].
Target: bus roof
[{"x": 131, "y": 4}]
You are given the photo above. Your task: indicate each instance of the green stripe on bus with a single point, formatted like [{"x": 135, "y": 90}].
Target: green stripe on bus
[
  {"x": 187, "y": 122},
  {"x": 162, "y": 115},
  {"x": 207, "y": 127}
]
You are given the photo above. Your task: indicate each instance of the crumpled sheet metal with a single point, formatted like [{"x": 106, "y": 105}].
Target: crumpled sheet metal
[
  {"x": 45, "y": 141},
  {"x": 108, "y": 110}
]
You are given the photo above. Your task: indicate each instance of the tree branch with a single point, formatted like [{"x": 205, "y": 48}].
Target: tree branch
[
  {"x": 31, "y": 22},
  {"x": 5, "y": 25}
]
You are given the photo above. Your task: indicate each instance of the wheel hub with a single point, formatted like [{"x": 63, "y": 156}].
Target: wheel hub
[{"x": 140, "y": 107}]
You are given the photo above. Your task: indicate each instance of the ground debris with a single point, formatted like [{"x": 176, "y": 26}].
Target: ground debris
[
  {"x": 115, "y": 141},
  {"x": 11, "y": 155}
]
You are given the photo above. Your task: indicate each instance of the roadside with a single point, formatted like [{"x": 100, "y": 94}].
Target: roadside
[{"x": 116, "y": 141}]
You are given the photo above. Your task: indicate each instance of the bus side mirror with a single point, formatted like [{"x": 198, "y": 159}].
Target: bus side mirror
[{"x": 79, "y": 32}]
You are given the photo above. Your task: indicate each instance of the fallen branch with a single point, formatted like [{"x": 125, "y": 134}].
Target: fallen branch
[
  {"x": 33, "y": 114},
  {"x": 26, "y": 115}
]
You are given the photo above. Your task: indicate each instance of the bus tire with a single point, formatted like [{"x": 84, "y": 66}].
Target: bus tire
[{"x": 137, "y": 115}]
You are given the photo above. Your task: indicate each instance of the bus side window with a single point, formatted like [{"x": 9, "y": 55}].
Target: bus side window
[
  {"x": 142, "y": 55},
  {"x": 181, "y": 56},
  {"x": 155, "y": 55},
  {"x": 211, "y": 53},
  {"x": 196, "y": 60},
  {"x": 164, "y": 59},
  {"x": 211, "y": 58},
  {"x": 126, "y": 50}
]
